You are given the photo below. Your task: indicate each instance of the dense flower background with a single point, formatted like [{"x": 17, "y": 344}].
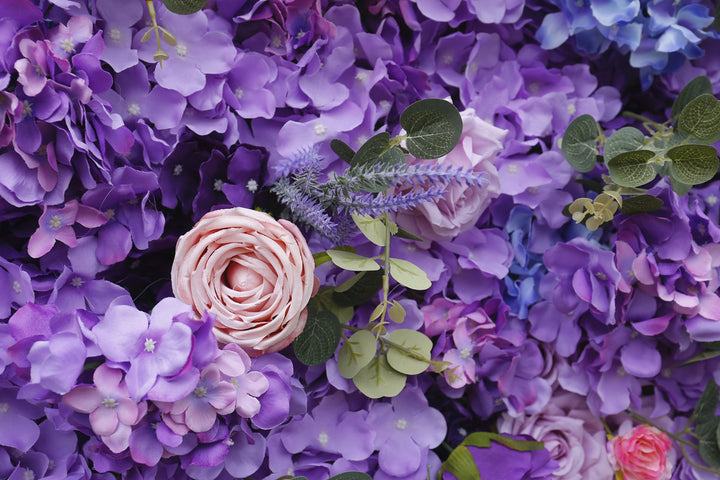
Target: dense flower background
[{"x": 107, "y": 157}]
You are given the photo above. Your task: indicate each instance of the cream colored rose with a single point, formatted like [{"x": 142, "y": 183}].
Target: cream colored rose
[{"x": 253, "y": 272}]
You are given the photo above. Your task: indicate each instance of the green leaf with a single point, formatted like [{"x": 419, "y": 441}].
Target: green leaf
[
  {"x": 701, "y": 119},
  {"x": 461, "y": 464},
  {"x": 707, "y": 403},
  {"x": 352, "y": 261},
  {"x": 351, "y": 476},
  {"x": 433, "y": 128},
  {"x": 700, "y": 357},
  {"x": 361, "y": 291},
  {"x": 408, "y": 274},
  {"x": 397, "y": 312},
  {"x": 374, "y": 229},
  {"x": 693, "y": 164},
  {"x": 627, "y": 139},
  {"x": 407, "y": 235},
  {"x": 184, "y": 7},
  {"x": 378, "y": 149},
  {"x": 483, "y": 439},
  {"x": 356, "y": 352},
  {"x": 632, "y": 169},
  {"x": 319, "y": 338},
  {"x": 414, "y": 341},
  {"x": 377, "y": 379},
  {"x": 579, "y": 144},
  {"x": 342, "y": 150},
  {"x": 640, "y": 204},
  {"x": 708, "y": 444},
  {"x": 699, "y": 85}
]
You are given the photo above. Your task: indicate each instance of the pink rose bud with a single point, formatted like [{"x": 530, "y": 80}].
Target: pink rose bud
[
  {"x": 641, "y": 454},
  {"x": 253, "y": 272}
]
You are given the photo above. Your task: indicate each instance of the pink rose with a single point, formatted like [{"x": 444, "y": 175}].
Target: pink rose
[
  {"x": 253, "y": 272},
  {"x": 641, "y": 454},
  {"x": 461, "y": 207}
]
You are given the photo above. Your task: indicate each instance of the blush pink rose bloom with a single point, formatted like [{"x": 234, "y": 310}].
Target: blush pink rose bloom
[
  {"x": 253, "y": 272},
  {"x": 641, "y": 454},
  {"x": 461, "y": 207}
]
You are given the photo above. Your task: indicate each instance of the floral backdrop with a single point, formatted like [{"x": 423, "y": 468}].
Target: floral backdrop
[{"x": 225, "y": 254}]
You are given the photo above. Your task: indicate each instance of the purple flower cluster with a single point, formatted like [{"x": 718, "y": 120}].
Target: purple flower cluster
[{"x": 107, "y": 156}]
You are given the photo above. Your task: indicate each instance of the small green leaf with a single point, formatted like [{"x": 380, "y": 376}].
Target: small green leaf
[
  {"x": 397, "y": 312},
  {"x": 351, "y": 476},
  {"x": 701, "y": 118},
  {"x": 641, "y": 204},
  {"x": 700, "y": 357},
  {"x": 632, "y": 169},
  {"x": 407, "y": 235},
  {"x": 408, "y": 274},
  {"x": 626, "y": 139},
  {"x": 461, "y": 464},
  {"x": 679, "y": 187},
  {"x": 374, "y": 229},
  {"x": 361, "y": 291},
  {"x": 184, "y": 7},
  {"x": 356, "y": 352},
  {"x": 377, "y": 311},
  {"x": 433, "y": 128},
  {"x": 579, "y": 143},
  {"x": 483, "y": 439},
  {"x": 342, "y": 150},
  {"x": 707, "y": 403},
  {"x": 417, "y": 343},
  {"x": 319, "y": 339},
  {"x": 377, "y": 379},
  {"x": 699, "y": 85},
  {"x": 708, "y": 444},
  {"x": 378, "y": 149},
  {"x": 693, "y": 164},
  {"x": 352, "y": 261}
]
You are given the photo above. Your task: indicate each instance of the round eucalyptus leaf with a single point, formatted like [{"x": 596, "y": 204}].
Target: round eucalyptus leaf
[
  {"x": 579, "y": 143},
  {"x": 408, "y": 274},
  {"x": 378, "y": 149},
  {"x": 433, "y": 128},
  {"x": 626, "y": 139},
  {"x": 319, "y": 338},
  {"x": 377, "y": 379},
  {"x": 342, "y": 150},
  {"x": 352, "y": 261},
  {"x": 701, "y": 119},
  {"x": 184, "y": 7},
  {"x": 356, "y": 352},
  {"x": 414, "y": 341},
  {"x": 373, "y": 228},
  {"x": 351, "y": 476},
  {"x": 693, "y": 164},
  {"x": 361, "y": 291},
  {"x": 699, "y": 85},
  {"x": 632, "y": 169},
  {"x": 641, "y": 204}
]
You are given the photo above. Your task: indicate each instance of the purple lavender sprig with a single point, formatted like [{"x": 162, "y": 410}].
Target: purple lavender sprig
[{"x": 372, "y": 204}]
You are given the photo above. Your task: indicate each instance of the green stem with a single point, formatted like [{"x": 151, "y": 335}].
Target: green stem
[
  {"x": 694, "y": 464},
  {"x": 390, "y": 343},
  {"x": 644, "y": 119}
]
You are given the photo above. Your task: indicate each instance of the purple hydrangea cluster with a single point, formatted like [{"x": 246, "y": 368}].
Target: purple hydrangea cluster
[{"x": 108, "y": 155}]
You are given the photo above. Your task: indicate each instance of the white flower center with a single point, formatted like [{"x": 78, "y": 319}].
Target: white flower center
[
  {"x": 150, "y": 345},
  {"x": 319, "y": 129},
  {"x": 229, "y": 442},
  {"x": 384, "y": 104},
  {"x": 239, "y": 92},
  {"x": 27, "y": 109},
  {"x": 55, "y": 222},
  {"x": 601, "y": 276},
  {"x": 67, "y": 45},
  {"x": 177, "y": 170},
  {"x": 277, "y": 41},
  {"x": 571, "y": 109},
  {"x": 110, "y": 213},
  {"x": 133, "y": 108},
  {"x": 465, "y": 353},
  {"x": 512, "y": 168},
  {"x": 77, "y": 282},
  {"x": 17, "y": 288},
  {"x": 447, "y": 59},
  {"x": 251, "y": 185},
  {"x": 323, "y": 438},
  {"x": 200, "y": 392},
  {"x": 401, "y": 424},
  {"x": 28, "y": 474},
  {"x": 109, "y": 402},
  {"x": 361, "y": 76},
  {"x": 181, "y": 49},
  {"x": 218, "y": 184},
  {"x": 712, "y": 200},
  {"x": 115, "y": 35}
]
